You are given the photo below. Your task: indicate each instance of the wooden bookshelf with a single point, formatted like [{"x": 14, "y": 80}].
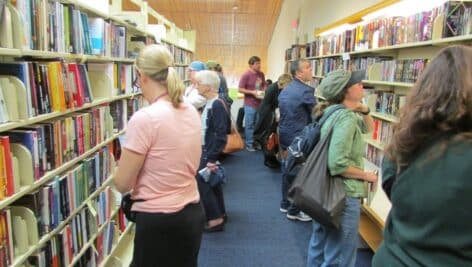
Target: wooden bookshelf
[
  {"x": 21, "y": 259},
  {"x": 369, "y": 230},
  {"x": 52, "y": 174}
]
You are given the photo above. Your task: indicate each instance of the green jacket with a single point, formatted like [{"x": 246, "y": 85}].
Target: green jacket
[
  {"x": 346, "y": 148},
  {"x": 430, "y": 223}
]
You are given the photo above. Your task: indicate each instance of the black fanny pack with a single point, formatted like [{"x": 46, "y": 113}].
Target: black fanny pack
[{"x": 126, "y": 204}]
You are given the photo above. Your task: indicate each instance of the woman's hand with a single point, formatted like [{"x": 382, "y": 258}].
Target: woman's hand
[
  {"x": 371, "y": 177},
  {"x": 361, "y": 108},
  {"x": 212, "y": 166}
]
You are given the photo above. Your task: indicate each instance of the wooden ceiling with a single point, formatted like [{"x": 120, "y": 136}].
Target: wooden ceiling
[{"x": 254, "y": 22}]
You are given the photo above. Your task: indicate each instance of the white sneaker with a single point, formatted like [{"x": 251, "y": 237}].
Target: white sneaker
[{"x": 301, "y": 216}]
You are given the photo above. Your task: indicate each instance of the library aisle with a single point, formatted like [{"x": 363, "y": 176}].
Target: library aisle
[{"x": 257, "y": 233}]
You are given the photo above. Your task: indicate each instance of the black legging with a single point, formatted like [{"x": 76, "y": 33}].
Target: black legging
[{"x": 168, "y": 239}]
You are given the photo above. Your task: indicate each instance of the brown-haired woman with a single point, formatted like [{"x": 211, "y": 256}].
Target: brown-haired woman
[{"x": 427, "y": 169}]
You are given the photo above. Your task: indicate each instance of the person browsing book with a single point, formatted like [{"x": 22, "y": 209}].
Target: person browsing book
[
  {"x": 159, "y": 161},
  {"x": 216, "y": 125}
]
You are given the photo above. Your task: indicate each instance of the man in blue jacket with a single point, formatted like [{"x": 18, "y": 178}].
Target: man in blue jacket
[{"x": 295, "y": 103}]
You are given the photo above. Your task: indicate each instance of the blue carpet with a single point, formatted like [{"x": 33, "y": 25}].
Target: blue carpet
[{"x": 257, "y": 233}]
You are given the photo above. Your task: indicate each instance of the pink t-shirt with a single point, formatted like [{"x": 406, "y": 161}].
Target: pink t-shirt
[{"x": 170, "y": 139}]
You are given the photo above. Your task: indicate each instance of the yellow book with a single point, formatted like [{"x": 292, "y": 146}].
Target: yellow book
[
  {"x": 3, "y": 174},
  {"x": 56, "y": 86}
]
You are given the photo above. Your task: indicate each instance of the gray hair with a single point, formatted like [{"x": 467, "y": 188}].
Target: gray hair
[
  {"x": 295, "y": 66},
  {"x": 210, "y": 78}
]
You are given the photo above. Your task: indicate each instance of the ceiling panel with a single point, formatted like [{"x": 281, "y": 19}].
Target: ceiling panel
[{"x": 254, "y": 22}]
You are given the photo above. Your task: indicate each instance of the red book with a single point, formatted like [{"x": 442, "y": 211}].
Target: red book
[
  {"x": 5, "y": 141},
  {"x": 78, "y": 94}
]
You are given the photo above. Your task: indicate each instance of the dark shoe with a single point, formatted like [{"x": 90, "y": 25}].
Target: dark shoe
[{"x": 217, "y": 228}]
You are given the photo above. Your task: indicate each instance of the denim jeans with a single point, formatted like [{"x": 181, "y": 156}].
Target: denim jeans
[
  {"x": 286, "y": 183},
  {"x": 330, "y": 247},
  {"x": 249, "y": 121}
]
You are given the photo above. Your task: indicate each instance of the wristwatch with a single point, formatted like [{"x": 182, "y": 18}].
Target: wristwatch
[{"x": 367, "y": 112}]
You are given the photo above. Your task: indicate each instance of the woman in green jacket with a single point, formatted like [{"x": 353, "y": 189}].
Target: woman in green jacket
[
  {"x": 430, "y": 223},
  {"x": 330, "y": 246}
]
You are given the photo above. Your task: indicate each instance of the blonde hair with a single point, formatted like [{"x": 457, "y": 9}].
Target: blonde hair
[
  {"x": 155, "y": 61},
  {"x": 284, "y": 79}
]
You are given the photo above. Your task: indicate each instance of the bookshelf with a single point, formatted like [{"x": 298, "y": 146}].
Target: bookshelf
[
  {"x": 66, "y": 95},
  {"x": 19, "y": 260},
  {"x": 393, "y": 51}
]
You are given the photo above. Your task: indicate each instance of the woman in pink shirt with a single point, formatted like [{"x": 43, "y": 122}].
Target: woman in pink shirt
[{"x": 159, "y": 162}]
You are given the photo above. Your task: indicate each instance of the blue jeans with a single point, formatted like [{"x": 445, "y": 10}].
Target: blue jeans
[
  {"x": 286, "y": 183},
  {"x": 330, "y": 247},
  {"x": 249, "y": 121}
]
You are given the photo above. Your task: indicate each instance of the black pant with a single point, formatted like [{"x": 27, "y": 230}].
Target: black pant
[
  {"x": 212, "y": 199},
  {"x": 168, "y": 239}
]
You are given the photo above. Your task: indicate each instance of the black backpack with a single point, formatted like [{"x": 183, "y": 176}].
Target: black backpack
[{"x": 303, "y": 144}]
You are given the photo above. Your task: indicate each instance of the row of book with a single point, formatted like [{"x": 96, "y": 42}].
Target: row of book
[
  {"x": 377, "y": 68},
  {"x": 384, "y": 102},
  {"x": 48, "y": 145},
  {"x": 60, "y": 27},
  {"x": 453, "y": 18},
  {"x": 403, "y": 70},
  {"x": 382, "y": 131},
  {"x": 374, "y": 155},
  {"x": 183, "y": 73},
  {"x": 44, "y": 209},
  {"x": 181, "y": 56},
  {"x": 28, "y": 89},
  {"x": 296, "y": 51}
]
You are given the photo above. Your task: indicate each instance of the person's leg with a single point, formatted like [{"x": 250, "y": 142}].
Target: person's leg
[
  {"x": 249, "y": 117},
  {"x": 218, "y": 191},
  {"x": 168, "y": 239},
  {"x": 315, "y": 256},
  {"x": 341, "y": 244},
  {"x": 284, "y": 204},
  {"x": 350, "y": 229},
  {"x": 240, "y": 120},
  {"x": 209, "y": 200}
]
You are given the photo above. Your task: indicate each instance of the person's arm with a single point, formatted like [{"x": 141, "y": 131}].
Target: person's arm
[
  {"x": 340, "y": 148},
  {"x": 196, "y": 99},
  {"x": 368, "y": 122},
  {"x": 129, "y": 166},
  {"x": 138, "y": 141},
  {"x": 219, "y": 123}
]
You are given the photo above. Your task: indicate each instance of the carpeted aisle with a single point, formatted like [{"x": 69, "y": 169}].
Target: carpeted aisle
[{"x": 257, "y": 233}]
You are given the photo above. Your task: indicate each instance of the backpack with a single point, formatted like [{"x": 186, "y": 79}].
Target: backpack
[{"x": 303, "y": 144}]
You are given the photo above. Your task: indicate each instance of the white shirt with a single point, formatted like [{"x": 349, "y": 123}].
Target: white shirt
[{"x": 192, "y": 97}]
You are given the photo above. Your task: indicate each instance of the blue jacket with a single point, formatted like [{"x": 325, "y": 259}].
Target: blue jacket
[
  {"x": 219, "y": 126},
  {"x": 295, "y": 103}
]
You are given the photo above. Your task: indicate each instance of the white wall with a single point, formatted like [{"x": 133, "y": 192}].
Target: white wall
[{"x": 313, "y": 14}]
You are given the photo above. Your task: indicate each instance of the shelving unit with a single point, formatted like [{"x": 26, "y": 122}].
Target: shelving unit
[
  {"x": 93, "y": 104},
  {"x": 19, "y": 260}
]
